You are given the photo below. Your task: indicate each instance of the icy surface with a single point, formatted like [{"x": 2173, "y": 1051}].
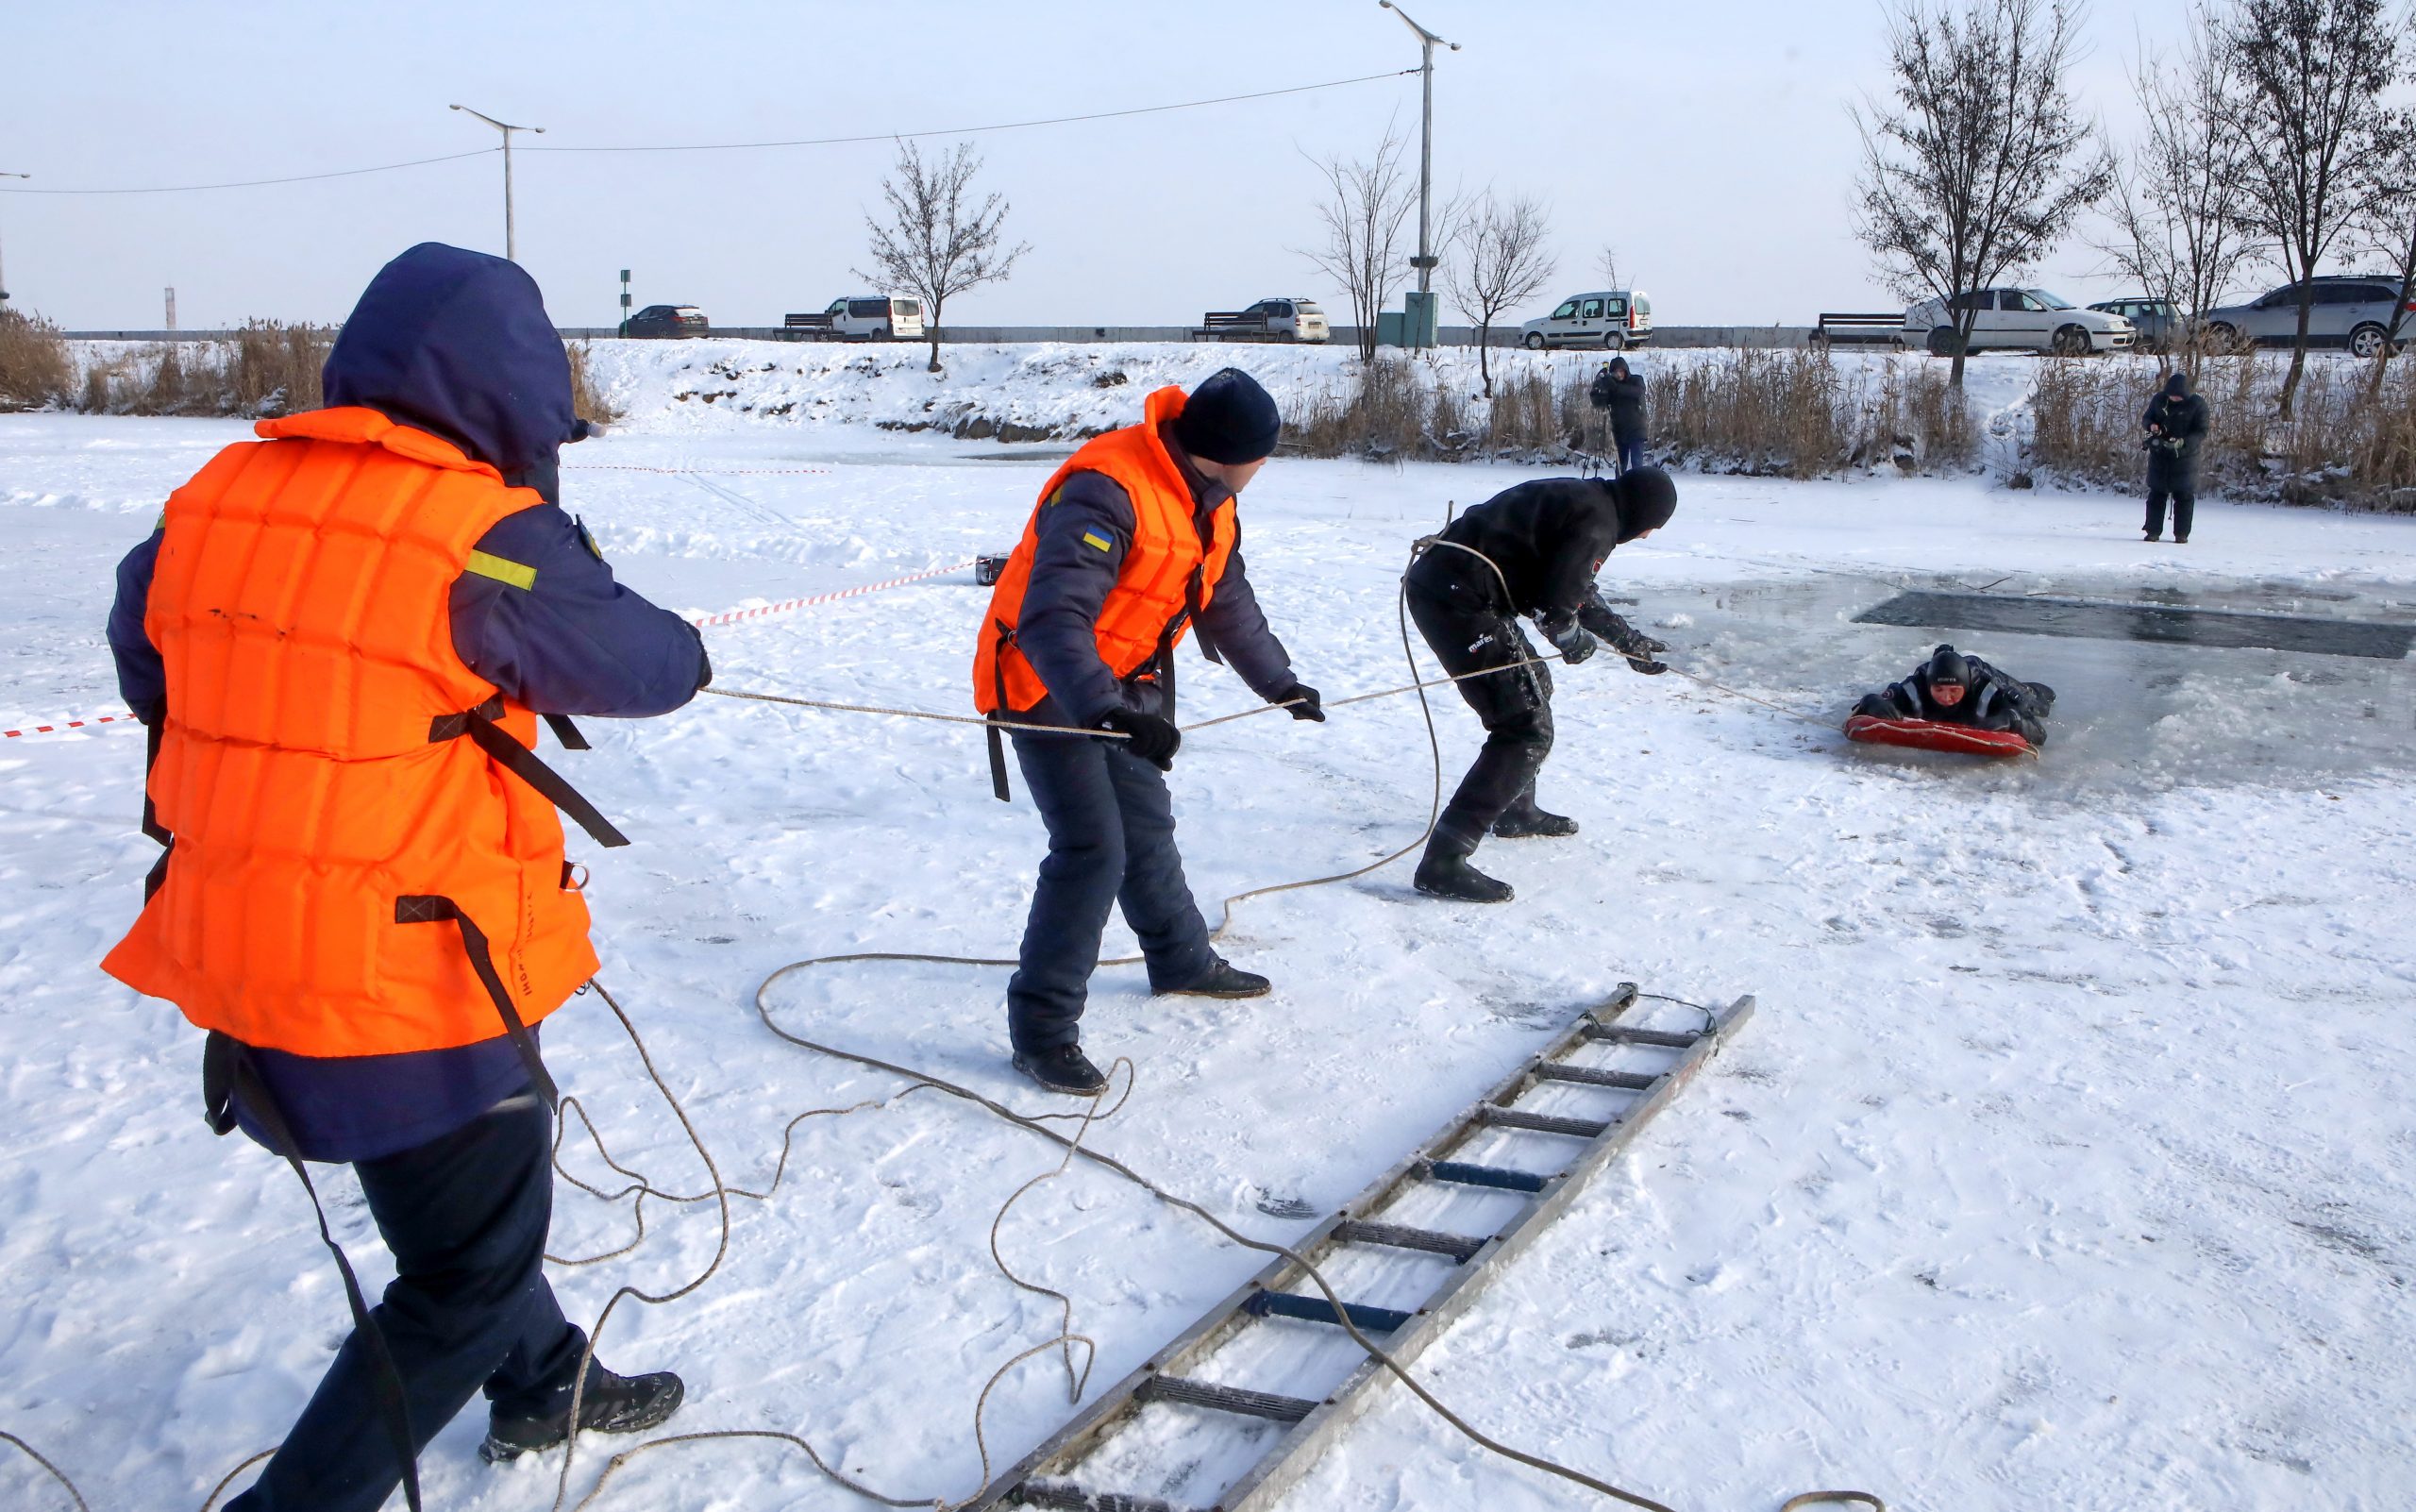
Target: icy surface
[{"x": 2067, "y": 1164}]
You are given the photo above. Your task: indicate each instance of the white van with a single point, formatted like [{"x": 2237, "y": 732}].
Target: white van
[
  {"x": 1610, "y": 318},
  {"x": 864, "y": 318}
]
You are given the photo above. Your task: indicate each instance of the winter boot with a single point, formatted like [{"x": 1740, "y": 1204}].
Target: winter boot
[
  {"x": 1444, "y": 872},
  {"x": 1224, "y": 979},
  {"x": 1522, "y": 821},
  {"x": 2043, "y": 693},
  {"x": 611, "y": 1405},
  {"x": 2154, "y": 535},
  {"x": 1062, "y": 1068}
]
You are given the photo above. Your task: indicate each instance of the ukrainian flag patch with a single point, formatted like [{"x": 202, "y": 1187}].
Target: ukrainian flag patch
[{"x": 1094, "y": 538}]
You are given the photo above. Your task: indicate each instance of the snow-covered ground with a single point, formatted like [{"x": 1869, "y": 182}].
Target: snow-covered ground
[{"x": 2068, "y": 1162}]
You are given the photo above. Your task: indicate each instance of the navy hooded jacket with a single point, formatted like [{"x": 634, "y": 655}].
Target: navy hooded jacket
[{"x": 458, "y": 344}]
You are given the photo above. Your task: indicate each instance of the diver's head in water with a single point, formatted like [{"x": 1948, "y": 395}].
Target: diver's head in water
[{"x": 1948, "y": 675}]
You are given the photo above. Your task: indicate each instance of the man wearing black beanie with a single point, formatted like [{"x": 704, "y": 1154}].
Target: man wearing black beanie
[
  {"x": 1136, "y": 542},
  {"x": 1531, "y": 551}
]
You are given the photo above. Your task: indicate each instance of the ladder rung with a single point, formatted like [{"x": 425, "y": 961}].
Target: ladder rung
[
  {"x": 1542, "y": 1122},
  {"x": 1317, "y": 1310},
  {"x": 1459, "y": 1247},
  {"x": 1662, "y": 1037},
  {"x": 1236, "y": 1400},
  {"x": 1074, "y": 1499},
  {"x": 1501, "y": 1178},
  {"x": 1594, "y": 1076}
]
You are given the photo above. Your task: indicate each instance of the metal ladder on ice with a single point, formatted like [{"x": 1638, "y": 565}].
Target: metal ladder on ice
[{"x": 1536, "y": 1139}]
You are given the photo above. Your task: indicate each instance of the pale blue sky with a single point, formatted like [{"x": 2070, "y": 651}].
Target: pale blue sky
[{"x": 1709, "y": 142}]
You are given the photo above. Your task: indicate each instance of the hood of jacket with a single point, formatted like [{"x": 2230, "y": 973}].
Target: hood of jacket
[{"x": 458, "y": 344}]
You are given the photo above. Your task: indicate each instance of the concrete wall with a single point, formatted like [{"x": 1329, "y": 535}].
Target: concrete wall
[{"x": 1666, "y": 336}]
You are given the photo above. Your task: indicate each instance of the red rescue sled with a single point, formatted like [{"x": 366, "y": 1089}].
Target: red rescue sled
[{"x": 1928, "y": 734}]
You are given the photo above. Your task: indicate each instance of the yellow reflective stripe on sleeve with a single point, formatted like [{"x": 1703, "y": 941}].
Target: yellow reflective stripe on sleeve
[{"x": 487, "y": 564}]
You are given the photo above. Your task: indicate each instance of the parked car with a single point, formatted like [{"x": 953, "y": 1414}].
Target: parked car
[
  {"x": 2029, "y": 320},
  {"x": 863, "y": 318},
  {"x": 1269, "y": 320},
  {"x": 667, "y": 320},
  {"x": 1610, "y": 318},
  {"x": 2154, "y": 322},
  {"x": 2350, "y": 309}
]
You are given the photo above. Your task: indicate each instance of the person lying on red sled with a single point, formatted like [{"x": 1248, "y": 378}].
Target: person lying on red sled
[{"x": 1953, "y": 689}]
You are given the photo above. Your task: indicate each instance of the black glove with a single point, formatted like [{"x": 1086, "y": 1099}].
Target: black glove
[
  {"x": 1308, "y": 705},
  {"x": 1571, "y": 640},
  {"x": 1152, "y": 739}
]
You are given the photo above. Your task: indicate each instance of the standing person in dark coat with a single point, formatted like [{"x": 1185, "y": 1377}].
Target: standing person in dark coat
[
  {"x": 2175, "y": 423},
  {"x": 1951, "y": 688},
  {"x": 374, "y": 594},
  {"x": 1623, "y": 394},
  {"x": 1136, "y": 542},
  {"x": 1530, "y": 551}
]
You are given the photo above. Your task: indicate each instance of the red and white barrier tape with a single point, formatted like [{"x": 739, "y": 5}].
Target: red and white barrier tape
[
  {"x": 698, "y": 472},
  {"x": 731, "y": 617},
  {"x": 734, "y": 617},
  {"x": 68, "y": 724}
]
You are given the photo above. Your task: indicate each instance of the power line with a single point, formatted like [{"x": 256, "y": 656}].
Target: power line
[
  {"x": 741, "y": 146},
  {"x": 1005, "y": 125},
  {"x": 255, "y": 183}
]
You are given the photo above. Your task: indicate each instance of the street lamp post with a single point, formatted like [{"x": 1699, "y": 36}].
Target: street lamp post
[
  {"x": 4, "y": 280},
  {"x": 510, "y": 249},
  {"x": 1423, "y": 324}
]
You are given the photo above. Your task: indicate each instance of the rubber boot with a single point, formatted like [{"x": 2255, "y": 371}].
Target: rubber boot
[
  {"x": 1522, "y": 821},
  {"x": 611, "y": 1405},
  {"x": 1444, "y": 872}
]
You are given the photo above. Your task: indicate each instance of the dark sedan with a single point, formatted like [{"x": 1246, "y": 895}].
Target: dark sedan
[{"x": 667, "y": 320}]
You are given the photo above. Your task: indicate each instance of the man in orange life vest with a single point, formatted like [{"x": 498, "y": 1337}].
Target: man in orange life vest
[
  {"x": 1135, "y": 541},
  {"x": 342, "y": 637}
]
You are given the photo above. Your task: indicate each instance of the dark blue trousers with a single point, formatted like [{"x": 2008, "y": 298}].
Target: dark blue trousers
[
  {"x": 1111, "y": 840},
  {"x": 1631, "y": 456},
  {"x": 466, "y": 1215}
]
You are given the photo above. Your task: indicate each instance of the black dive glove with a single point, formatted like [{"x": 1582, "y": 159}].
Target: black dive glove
[
  {"x": 1303, "y": 700},
  {"x": 1628, "y": 641},
  {"x": 1152, "y": 739},
  {"x": 1574, "y": 643}
]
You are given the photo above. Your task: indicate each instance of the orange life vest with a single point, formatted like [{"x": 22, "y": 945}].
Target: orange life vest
[
  {"x": 309, "y": 768},
  {"x": 1167, "y": 574}
]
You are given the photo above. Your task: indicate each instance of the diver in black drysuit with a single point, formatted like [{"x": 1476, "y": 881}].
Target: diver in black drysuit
[
  {"x": 1951, "y": 688},
  {"x": 1547, "y": 539}
]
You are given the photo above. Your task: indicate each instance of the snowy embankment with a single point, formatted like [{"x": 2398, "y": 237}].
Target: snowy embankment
[
  {"x": 2068, "y": 1163},
  {"x": 1054, "y": 392}
]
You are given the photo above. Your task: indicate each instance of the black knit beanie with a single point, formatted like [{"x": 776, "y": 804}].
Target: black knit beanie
[
  {"x": 1647, "y": 499},
  {"x": 1229, "y": 418}
]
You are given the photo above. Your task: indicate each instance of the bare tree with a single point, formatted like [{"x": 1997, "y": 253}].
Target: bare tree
[
  {"x": 1502, "y": 263},
  {"x": 1368, "y": 203},
  {"x": 2387, "y": 229},
  {"x": 935, "y": 244},
  {"x": 2319, "y": 133},
  {"x": 1979, "y": 162},
  {"x": 1608, "y": 264},
  {"x": 2175, "y": 205}
]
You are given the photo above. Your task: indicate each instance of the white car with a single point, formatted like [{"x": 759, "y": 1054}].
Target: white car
[
  {"x": 863, "y": 318},
  {"x": 2025, "y": 320},
  {"x": 1608, "y": 318}
]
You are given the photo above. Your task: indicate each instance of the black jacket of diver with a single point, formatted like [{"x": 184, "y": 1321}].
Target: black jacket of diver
[
  {"x": 1992, "y": 700},
  {"x": 2174, "y": 414},
  {"x": 1549, "y": 537}
]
